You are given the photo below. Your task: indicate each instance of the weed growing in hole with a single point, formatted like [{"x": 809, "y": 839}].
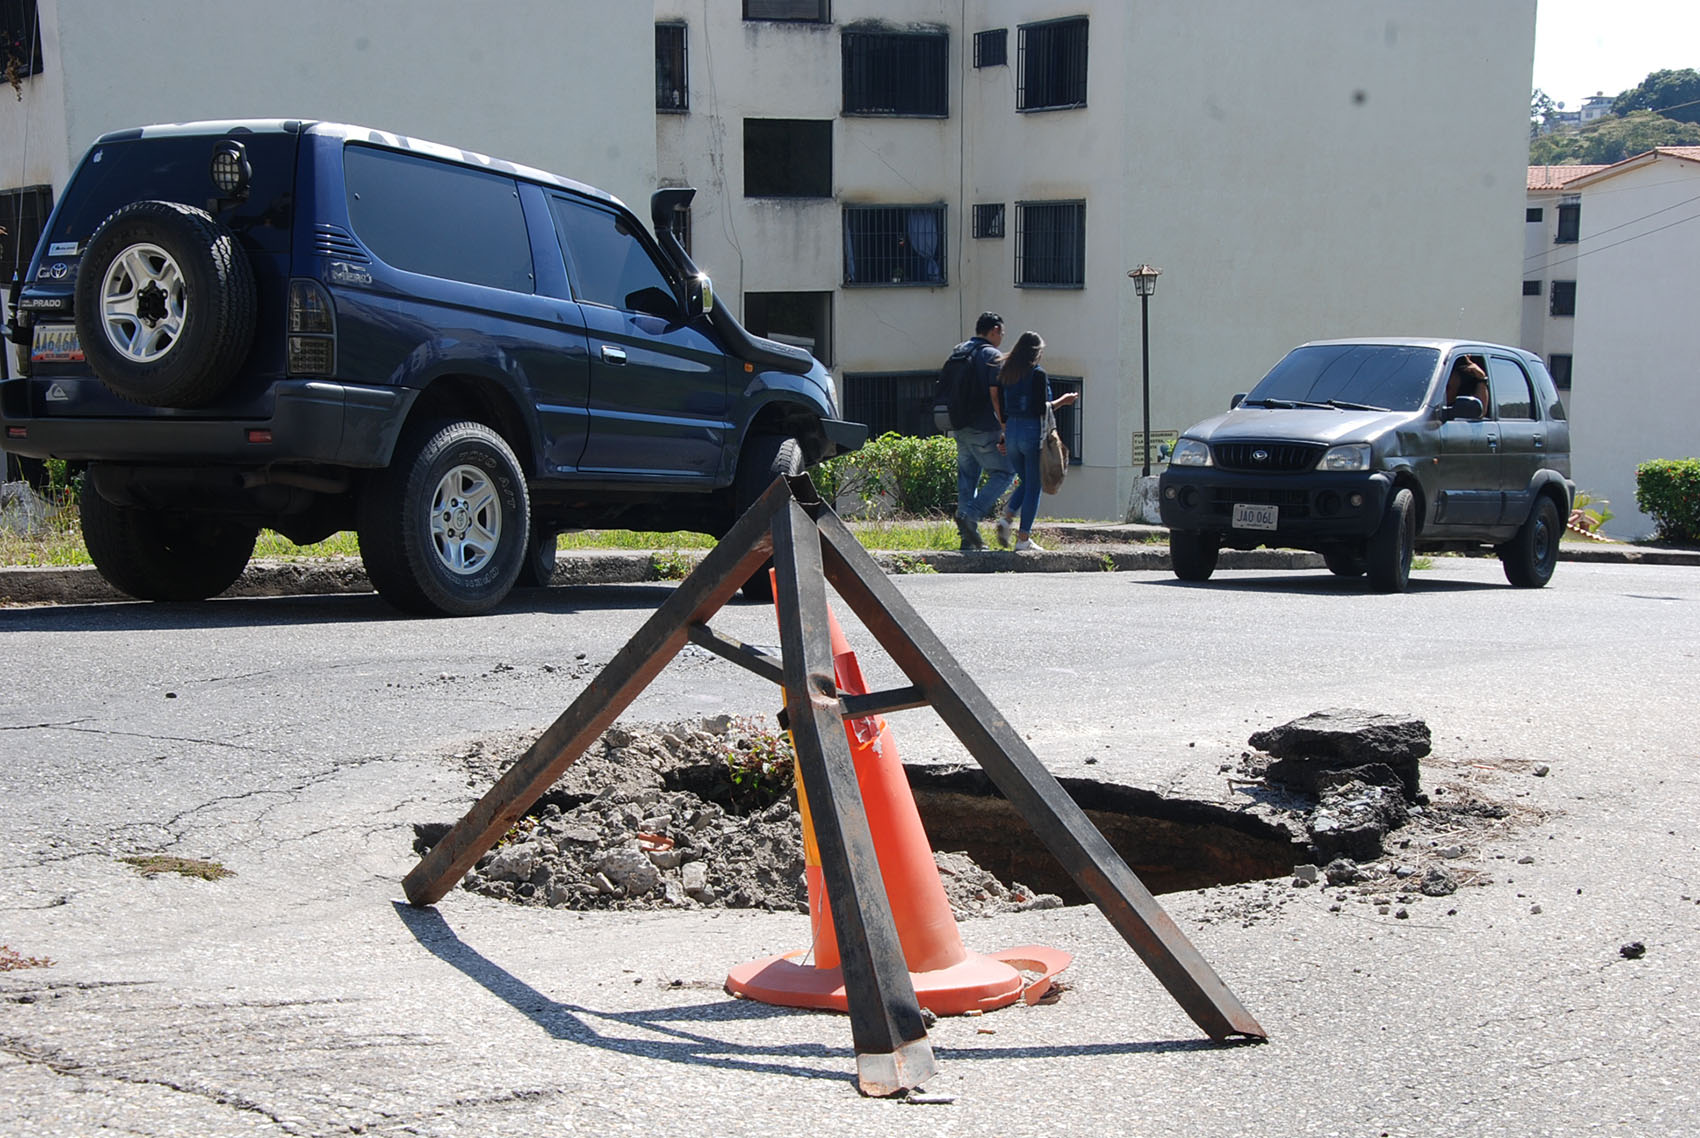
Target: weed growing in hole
[
  {"x": 517, "y": 832},
  {"x": 760, "y": 763},
  {"x": 152, "y": 865},
  {"x": 909, "y": 563},
  {"x": 670, "y": 565},
  {"x": 1421, "y": 563},
  {"x": 12, "y": 961},
  {"x": 1108, "y": 563}
]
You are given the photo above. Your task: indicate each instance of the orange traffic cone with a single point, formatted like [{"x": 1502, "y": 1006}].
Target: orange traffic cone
[{"x": 948, "y": 979}]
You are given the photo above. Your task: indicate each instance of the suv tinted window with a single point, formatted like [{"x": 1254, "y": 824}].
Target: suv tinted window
[
  {"x": 609, "y": 265},
  {"x": 438, "y": 219},
  {"x": 1376, "y": 375},
  {"x": 179, "y": 170},
  {"x": 1511, "y": 393}
]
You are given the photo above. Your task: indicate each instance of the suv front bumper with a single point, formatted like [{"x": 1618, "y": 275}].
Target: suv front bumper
[
  {"x": 311, "y": 421},
  {"x": 1313, "y": 508}
]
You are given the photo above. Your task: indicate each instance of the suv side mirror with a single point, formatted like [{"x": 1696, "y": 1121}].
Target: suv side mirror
[
  {"x": 1462, "y": 407},
  {"x": 699, "y": 296},
  {"x": 1238, "y": 398}
]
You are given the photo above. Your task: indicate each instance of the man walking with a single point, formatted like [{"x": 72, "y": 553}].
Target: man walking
[{"x": 977, "y": 441}]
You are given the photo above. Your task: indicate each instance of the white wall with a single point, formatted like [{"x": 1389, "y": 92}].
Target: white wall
[
  {"x": 1636, "y": 387},
  {"x": 565, "y": 85}
]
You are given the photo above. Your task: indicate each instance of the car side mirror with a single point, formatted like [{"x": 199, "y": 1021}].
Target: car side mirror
[
  {"x": 699, "y": 296},
  {"x": 1462, "y": 407},
  {"x": 1238, "y": 398}
]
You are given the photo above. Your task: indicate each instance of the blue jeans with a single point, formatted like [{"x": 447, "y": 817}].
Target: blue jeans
[
  {"x": 977, "y": 452},
  {"x": 1022, "y": 443}
]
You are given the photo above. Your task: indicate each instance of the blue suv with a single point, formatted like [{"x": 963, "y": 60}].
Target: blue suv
[{"x": 313, "y": 327}]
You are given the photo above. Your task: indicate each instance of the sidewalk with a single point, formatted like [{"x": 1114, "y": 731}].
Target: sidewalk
[{"x": 1071, "y": 547}]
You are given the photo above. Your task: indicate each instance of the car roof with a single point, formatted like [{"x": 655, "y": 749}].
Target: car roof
[
  {"x": 1439, "y": 344},
  {"x": 349, "y": 132}
]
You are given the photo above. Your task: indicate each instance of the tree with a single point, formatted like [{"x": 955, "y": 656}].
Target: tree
[
  {"x": 1541, "y": 108},
  {"x": 1612, "y": 140},
  {"x": 1673, "y": 94}
]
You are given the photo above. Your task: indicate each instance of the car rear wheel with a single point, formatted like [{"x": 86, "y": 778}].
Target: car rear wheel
[
  {"x": 163, "y": 555},
  {"x": 1343, "y": 561},
  {"x": 1390, "y": 547},
  {"x": 765, "y": 458},
  {"x": 165, "y": 305},
  {"x": 1532, "y": 555},
  {"x": 443, "y": 529},
  {"x": 1193, "y": 555}
]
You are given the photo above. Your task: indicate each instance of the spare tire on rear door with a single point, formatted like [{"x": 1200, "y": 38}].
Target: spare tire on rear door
[{"x": 165, "y": 304}]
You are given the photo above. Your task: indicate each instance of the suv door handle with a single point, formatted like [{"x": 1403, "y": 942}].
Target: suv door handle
[
  {"x": 1540, "y": 442},
  {"x": 613, "y": 355},
  {"x": 1493, "y": 442}
]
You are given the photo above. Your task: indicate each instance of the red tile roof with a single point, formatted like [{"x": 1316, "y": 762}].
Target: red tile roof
[{"x": 1555, "y": 177}]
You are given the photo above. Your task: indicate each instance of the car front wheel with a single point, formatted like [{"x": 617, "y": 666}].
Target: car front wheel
[
  {"x": 443, "y": 529},
  {"x": 1389, "y": 560},
  {"x": 1531, "y": 556},
  {"x": 1193, "y": 555},
  {"x": 1344, "y": 561},
  {"x": 765, "y": 458}
]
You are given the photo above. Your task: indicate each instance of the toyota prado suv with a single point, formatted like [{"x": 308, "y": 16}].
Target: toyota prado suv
[
  {"x": 313, "y": 327},
  {"x": 1367, "y": 451}
]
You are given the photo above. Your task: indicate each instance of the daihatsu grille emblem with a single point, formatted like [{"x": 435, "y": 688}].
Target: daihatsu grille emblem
[{"x": 1260, "y": 455}]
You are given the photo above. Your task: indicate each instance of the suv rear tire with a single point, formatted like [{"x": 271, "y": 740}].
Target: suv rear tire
[
  {"x": 1530, "y": 557},
  {"x": 443, "y": 528},
  {"x": 165, "y": 305},
  {"x": 541, "y": 553},
  {"x": 765, "y": 458},
  {"x": 1193, "y": 555},
  {"x": 1389, "y": 556},
  {"x": 163, "y": 555}
]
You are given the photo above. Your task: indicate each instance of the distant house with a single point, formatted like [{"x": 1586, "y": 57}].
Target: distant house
[
  {"x": 1595, "y": 107},
  {"x": 1619, "y": 312}
]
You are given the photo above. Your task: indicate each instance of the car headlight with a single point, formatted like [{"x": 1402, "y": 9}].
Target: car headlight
[
  {"x": 1190, "y": 452},
  {"x": 1351, "y": 456}
]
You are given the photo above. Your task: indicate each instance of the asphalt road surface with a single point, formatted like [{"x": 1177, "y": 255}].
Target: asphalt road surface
[{"x": 296, "y": 740}]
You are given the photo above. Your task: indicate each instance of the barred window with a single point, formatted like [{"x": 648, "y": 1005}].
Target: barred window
[
  {"x": 1050, "y": 244},
  {"x": 22, "y": 215},
  {"x": 801, "y": 319},
  {"x": 894, "y": 245},
  {"x": 672, "y": 87},
  {"x": 1569, "y": 224},
  {"x": 1532, "y": 214},
  {"x": 891, "y": 73},
  {"x": 20, "y": 39},
  {"x": 1071, "y": 419},
  {"x": 1051, "y": 65},
  {"x": 801, "y": 11},
  {"x": 1559, "y": 366},
  {"x": 1531, "y": 288},
  {"x": 788, "y": 158},
  {"x": 680, "y": 224},
  {"x": 988, "y": 220},
  {"x": 991, "y": 49},
  {"x": 1563, "y": 298},
  {"x": 900, "y": 401}
]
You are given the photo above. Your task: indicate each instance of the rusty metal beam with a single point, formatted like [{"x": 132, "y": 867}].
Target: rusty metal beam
[
  {"x": 1065, "y": 829},
  {"x": 746, "y": 656},
  {"x": 892, "y": 1051},
  {"x": 699, "y": 596}
]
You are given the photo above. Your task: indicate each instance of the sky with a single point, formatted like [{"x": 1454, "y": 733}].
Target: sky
[{"x": 1584, "y": 46}]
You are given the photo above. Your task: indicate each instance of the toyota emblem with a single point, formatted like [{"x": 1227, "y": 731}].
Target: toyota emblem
[{"x": 1260, "y": 455}]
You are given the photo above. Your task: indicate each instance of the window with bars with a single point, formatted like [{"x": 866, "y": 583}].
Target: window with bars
[
  {"x": 1563, "y": 298},
  {"x": 788, "y": 158},
  {"x": 801, "y": 319},
  {"x": 1531, "y": 288},
  {"x": 894, "y": 245},
  {"x": 1559, "y": 366},
  {"x": 897, "y": 73},
  {"x": 1533, "y": 214},
  {"x": 1051, "y": 65},
  {"x": 900, "y": 401},
  {"x": 988, "y": 220},
  {"x": 23, "y": 213},
  {"x": 672, "y": 86},
  {"x": 797, "y": 11},
  {"x": 680, "y": 224},
  {"x": 1569, "y": 224},
  {"x": 20, "y": 39},
  {"x": 1050, "y": 244},
  {"x": 991, "y": 48},
  {"x": 1071, "y": 419}
]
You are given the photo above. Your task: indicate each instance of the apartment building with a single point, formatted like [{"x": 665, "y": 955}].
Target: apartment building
[{"x": 1552, "y": 225}]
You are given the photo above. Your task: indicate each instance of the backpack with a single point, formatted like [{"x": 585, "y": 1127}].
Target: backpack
[{"x": 961, "y": 391}]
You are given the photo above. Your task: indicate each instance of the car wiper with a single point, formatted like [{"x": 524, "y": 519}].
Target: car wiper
[
  {"x": 1346, "y": 406},
  {"x": 1287, "y": 404}
]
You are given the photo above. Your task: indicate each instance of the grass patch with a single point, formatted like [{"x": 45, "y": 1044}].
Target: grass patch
[
  {"x": 12, "y": 961},
  {"x": 152, "y": 865}
]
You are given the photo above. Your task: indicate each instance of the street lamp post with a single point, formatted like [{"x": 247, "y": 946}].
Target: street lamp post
[{"x": 1145, "y": 283}]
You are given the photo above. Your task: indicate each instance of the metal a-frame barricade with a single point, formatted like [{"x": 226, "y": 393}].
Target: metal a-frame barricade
[{"x": 810, "y": 546}]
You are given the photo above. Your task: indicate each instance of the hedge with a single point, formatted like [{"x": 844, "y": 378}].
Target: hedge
[{"x": 1668, "y": 491}]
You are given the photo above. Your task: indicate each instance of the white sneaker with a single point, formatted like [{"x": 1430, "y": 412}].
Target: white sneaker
[
  {"x": 1028, "y": 545},
  {"x": 1003, "y": 527}
]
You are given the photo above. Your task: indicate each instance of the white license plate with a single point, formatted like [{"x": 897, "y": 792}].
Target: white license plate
[
  {"x": 1248, "y": 516},
  {"x": 56, "y": 344}
]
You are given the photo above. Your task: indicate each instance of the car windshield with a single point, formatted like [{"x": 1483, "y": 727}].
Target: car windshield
[{"x": 1353, "y": 377}]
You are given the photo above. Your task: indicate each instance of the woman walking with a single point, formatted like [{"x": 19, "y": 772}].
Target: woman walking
[{"x": 1020, "y": 398}]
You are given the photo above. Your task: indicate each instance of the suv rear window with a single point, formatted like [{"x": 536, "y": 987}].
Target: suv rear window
[
  {"x": 1390, "y": 376},
  {"x": 439, "y": 219},
  {"x": 177, "y": 169}
]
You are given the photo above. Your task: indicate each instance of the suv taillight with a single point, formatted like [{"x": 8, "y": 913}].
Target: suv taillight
[{"x": 312, "y": 328}]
